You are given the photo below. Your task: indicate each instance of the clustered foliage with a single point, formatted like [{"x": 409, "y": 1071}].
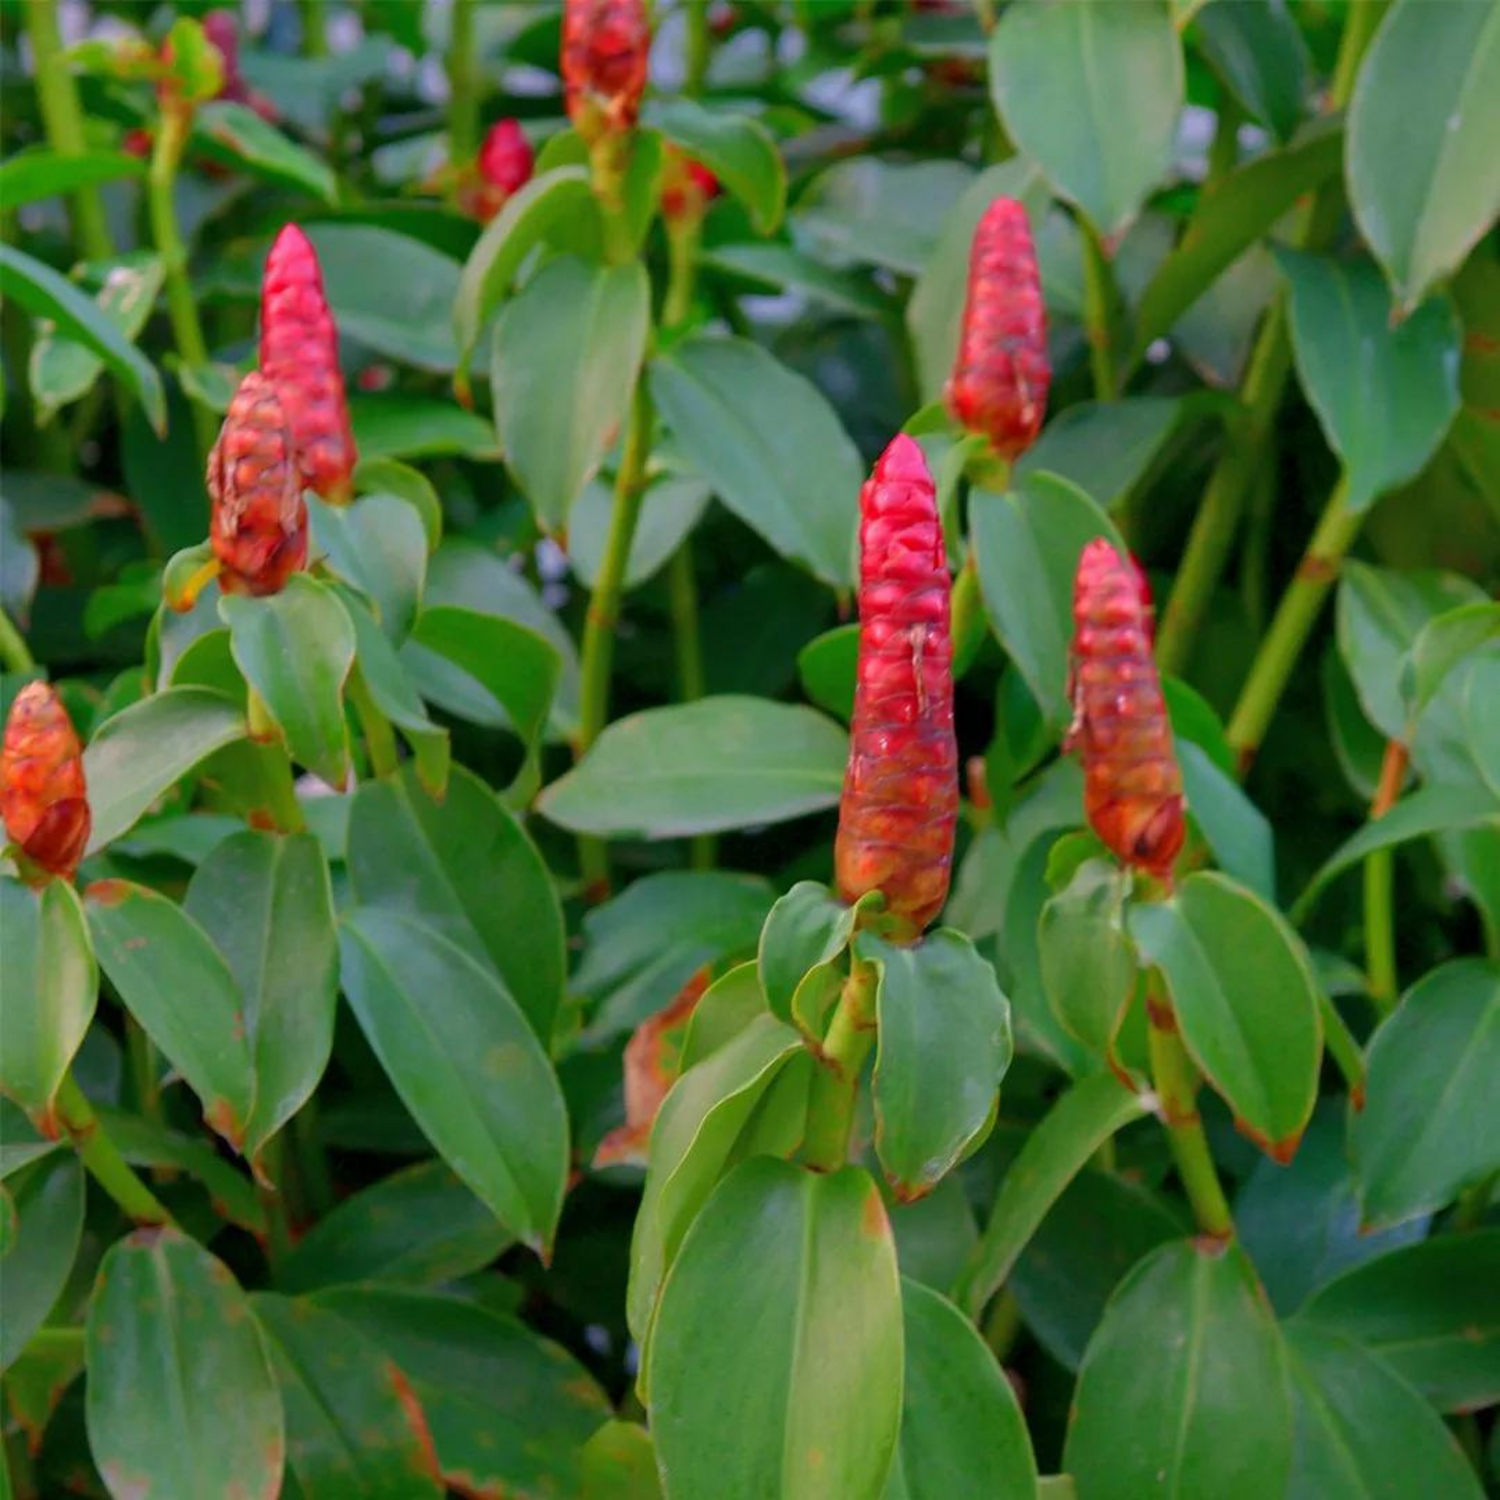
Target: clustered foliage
[{"x": 611, "y": 886}]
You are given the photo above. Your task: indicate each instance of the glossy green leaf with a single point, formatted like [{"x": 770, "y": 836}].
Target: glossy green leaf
[
  {"x": 736, "y": 148},
  {"x": 47, "y": 1198},
  {"x": 1257, "y": 49},
  {"x": 178, "y": 986},
  {"x": 169, "y": 1330},
  {"x": 781, "y": 268},
  {"x": 419, "y": 1226},
  {"x": 1184, "y": 1386},
  {"x": 352, "y": 1427},
  {"x": 295, "y": 649},
  {"x": 793, "y": 1386},
  {"x": 770, "y": 445},
  {"x": 670, "y": 508},
  {"x": 444, "y": 862},
  {"x": 1362, "y": 1431},
  {"x": 1385, "y": 396},
  {"x": 1235, "y": 828},
  {"x": 721, "y": 763},
  {"x": 51, "y": 986},
  {"x": 619, "y": 1463},
  {"x": 39, "y": 172},
  {"x": 379, "y": 475},
  {"x": 1253, "y": 1029},
  {"x": 962, "y": 1431},
  {"x": 567, "y": 350},
  {"x": 827, "y": 666},
  {"x": 1086, "y": 1116},
  {"x": 379, "y": 545},
  {"x": 418, "y": 427},
  {"x": 1091, "y": 93},
  {"x": 1088, "y": 963},
  {"x": 1431, "y": 1311},
  {"x": 265, "y": 902},
  {"x": 1424, "y": 180},
  {"x": 693, "y": 1141},
  {"x": 1431, "y": 1119},
  {"x": 944, "y": 1046},
  {"x": 44, "y": 294},
  {"x": 508, "y": 1410},
  {"x": 1104, "y": 447},
  {"x": 1028, "y": 543},
  {"x": 1441, "y": 645},
  {"x": 470, "y": 1070},
  {"x": 807, "y": 928},
  {"x": 248, "y": 141}
]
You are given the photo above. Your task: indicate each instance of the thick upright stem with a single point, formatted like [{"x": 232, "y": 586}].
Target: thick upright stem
[
  {"x": 830, "y": 1106},
  {"x": 698, "y": 48},
  {"x": 15, "y": 654},
  {"x": 314, "y": 28},
  {"x": 1098, "y": 314},
  {"x": 1380, "y": 882},
  {"x": 463, "y": 87},
  {"x": 1293, "y": 622},
  {"x": 102, "y": 1160}
]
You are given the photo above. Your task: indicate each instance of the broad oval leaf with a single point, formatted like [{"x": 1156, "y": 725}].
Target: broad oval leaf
[
  {"x": 721, "y": 763},
  {"x": 1385, "y": 396},
  {"x": 47, "y": 1201},
  {"x": 51, "y": 986},
  {"x": 407, "y": 427},
  {"x": 39, "y": 172},
  {"x": 567, "y": 351},
  {"x": 465, "y": 1062},
  {"x": 1087, "y": 962},
  {"x": 736, "y": 148},
  {"x": 1256, "y": 47},
  {"x": 1424, "y": 177},
  {"x": 466, "y": 868},
  {"x": 807, "y": 928},
  {"x": 1091, "y": 93},
  {"x": 266, "y": 903},
  {"x": 1431, "y": 1118},
  {"x": 178, "y": 986},
  {"x": 379, "y": 545},
  {"x": 169, "y": 1330},
  {"x": 807, "y": 1356},
  {"x": 1254, "y": 1028},
  {"x": 1184, "y": 1385},
  {"x": 770, "y": 445},
  {"x": 233, "y": 131},
  {"x": 671, "y": 506},
  {"x": 1104, "y": 447}
]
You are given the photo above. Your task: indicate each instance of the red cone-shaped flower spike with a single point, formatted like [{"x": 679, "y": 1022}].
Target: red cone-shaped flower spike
[
  {"x": 1000, "y": 377},
  {"x": 901, "y": 788},
  {"x": 259, "y": 523},
  {"x": 42, "y": 794},
  {"x": 299, "y": 353},
  {"x": 605, "y": 48},
  {"x": 1132, "y": 785}
]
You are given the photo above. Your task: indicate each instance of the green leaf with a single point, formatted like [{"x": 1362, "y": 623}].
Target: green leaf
[
  {"x": 827, "y": 666},
  {"x": 418, "y": 427},
  {"x": 1236, "y": 830},
  {"x": 146, "y": 749},
  {"x": 1431, "y": 1119},
  {"x": 1104, "y": 447},
  {"x": 1362, "y": 1431},
  {"x": 443, "y": 863},
  {"x": 619, "y": 1463},
  {"x": 45, "y": 294},
  {"x": 508, "y": 1410},
  {"x": 1253, "y": 1029},
  {"x": 352, "y": 1427},
  {"x": 1385, "y": 396},
  {"x": 377, "y": 475},
  {"x": 265, "y": 902},
  {"x": 170, "y": 1331},
  {"x": 567, "y": 351},
  {"x": 234, "y": 132},
  {"x": 379, "y": 545},
  {"x": 783, "y": 269},
  {"x": 1092, "y": 94},
  {"x": 48, "y": 1207},
  {"x": 1439, "y": 648},
  {"x": 792, "y": 1387},
  {"x": 174, "y": 981},
  {"x": 1431, "y": 1311},
  {"x": 1087, "y": 960},
  {"x": 1257, "y": 49},
  {"x": 1028, "y": 542},
  {"x": 51, "y": 986},
  {"x": 470, "y": 1070},
  {"x": 808, "y": 928},
  {"x": 693, "y": 1141},
  {"x": 736, "y": 148},
  {"x": 419, "y": 1226},
  {"x": 769, "y": 443},
  {"x": 962, "y": 1432},
  {"x": 31, "y": 175},
  {"x": 295, "y": 649},
  {"x": 944, "y": 1046},
  {"x": 1424, "y": 180},
  {"x": 1184, "y": 1386},
  {"x": 516, "y": 668},
  {"x": 1055, "y": 1152},
  {"x": 720, "y": 763},
  {"x": 670, "y": 508}
]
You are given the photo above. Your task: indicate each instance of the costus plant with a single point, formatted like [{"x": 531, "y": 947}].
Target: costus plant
[{"x": 514, "y": 519}]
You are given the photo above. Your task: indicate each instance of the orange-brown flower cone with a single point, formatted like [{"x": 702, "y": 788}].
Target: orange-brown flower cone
[{"x": 43, "y": 798}]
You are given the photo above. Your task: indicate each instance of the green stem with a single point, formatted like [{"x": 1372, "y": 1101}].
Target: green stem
[
  {"x": 597, "y": 657},
  {"x": 280, "y": 787},
  {"x": 682, "y": 588},
  {"x": 682, "y": 258},
  {"x": 698, "y": 48},
  {"x": 57, "y": 1341},
  {"x": 1342, "y": 1047},
  {"x": 144, "y": 1073},
  {"x": 967, "y": 615},
  {"x": 271, "y": 1189},
  {"x": 1380, "y": 887},
  {"x": 1292, "y": 624},
  {"x": 984, "y": 11},
  {"x": 1098, "y": 313},
  {"x": 314, "y": 28},
  {"x": 101, "y": 1157},
  {"x": 14, "y": 651},
  {"x": 463, "y": 87},
  {"x": 835, "y": 1086},
  {"x": 380, "y": 738},
  {"x": 312, "y": 1159},
  {"x": 1473, "y": 1203},
  {"x": 1176, "y": 1081},
  {"x": 57, "y": 95}
]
